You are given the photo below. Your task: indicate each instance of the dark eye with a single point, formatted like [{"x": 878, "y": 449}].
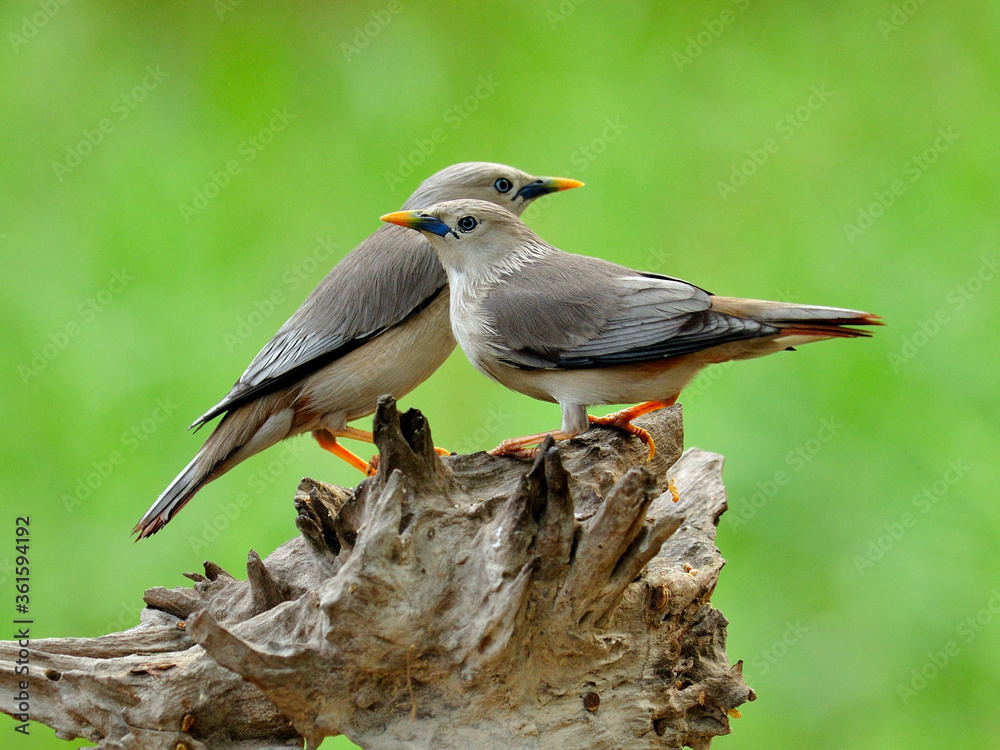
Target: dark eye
[
  {"x": 467, "y": 223},
  {"x": 503, "y": 185}
]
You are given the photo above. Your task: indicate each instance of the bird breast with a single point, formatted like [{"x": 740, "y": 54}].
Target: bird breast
[{"x": 469, "y": 324}]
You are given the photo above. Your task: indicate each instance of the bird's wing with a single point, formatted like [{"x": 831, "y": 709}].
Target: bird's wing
[
  {"x": 599, "y": 314},
  {"x": 385, "y": 280}
]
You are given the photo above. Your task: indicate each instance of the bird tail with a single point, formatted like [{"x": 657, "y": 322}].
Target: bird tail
[
  {"x": 801, "y": 320},
  {"x": 240, "y": 434},
  {"x": 176, "y": 496}
]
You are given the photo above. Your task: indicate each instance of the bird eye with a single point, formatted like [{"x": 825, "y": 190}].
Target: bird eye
[
  {"x": 467, "y": 223},
  {"x": 503, "y": 185}
]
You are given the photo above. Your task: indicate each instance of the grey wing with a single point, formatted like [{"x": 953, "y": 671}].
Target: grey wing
[
  {"x": 611, "y": 315},
  {"x": 388, "y": 278},
  {"x": 551, "y": 307}
]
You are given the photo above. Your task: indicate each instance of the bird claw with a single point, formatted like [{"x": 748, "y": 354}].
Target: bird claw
[
  {"x": 529, "y": 453},
  {"x": 623, "y": 421},
  {"x": 519, "y": 447},
  {"x": 512, "y": 447}
]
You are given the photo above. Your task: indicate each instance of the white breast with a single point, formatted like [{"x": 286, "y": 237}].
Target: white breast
[{"x": 468, "y": 324}]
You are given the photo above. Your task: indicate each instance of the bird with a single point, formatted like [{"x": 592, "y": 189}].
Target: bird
[
  {"x": 581, "y": 331},
  {"x": 377, "y": 324}
]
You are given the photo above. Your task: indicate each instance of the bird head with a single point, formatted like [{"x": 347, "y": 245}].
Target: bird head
[
  {"x": 474, "y": 237},
  {"x": 479, "y": 180}
]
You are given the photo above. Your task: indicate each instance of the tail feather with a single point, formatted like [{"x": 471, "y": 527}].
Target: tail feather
[
  {"x": 803, "y": 320},
  {"x": 241, "y": 434},
  {"x": 826, "y": 330},
  {"x": 174, "y": 497}
]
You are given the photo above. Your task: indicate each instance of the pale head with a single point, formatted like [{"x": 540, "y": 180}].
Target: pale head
[
  {"x": 486, "y": 181},
  {"x": 476, "y": 238}
]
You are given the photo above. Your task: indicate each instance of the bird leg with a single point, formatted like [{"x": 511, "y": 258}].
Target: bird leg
[
  {"x": 623, "y": 420},
  {"x": 354, "y": 434},
  {"x": 620, "y": 419},
  {"x": 372, "y": 468},
  {"x": 518, "y": 446},
  {"x": 328, "y": 441}
]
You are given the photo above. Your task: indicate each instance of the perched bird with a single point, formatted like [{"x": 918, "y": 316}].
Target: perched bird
[
  {"x": 378, "y": 323},
  {"x": 579, "y": 331}
]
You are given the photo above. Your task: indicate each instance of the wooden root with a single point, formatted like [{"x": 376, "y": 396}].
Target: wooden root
[{"x": 469, "y": 601}]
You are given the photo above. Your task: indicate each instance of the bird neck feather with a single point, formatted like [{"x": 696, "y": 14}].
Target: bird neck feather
[{"x": 495, "y": 270}]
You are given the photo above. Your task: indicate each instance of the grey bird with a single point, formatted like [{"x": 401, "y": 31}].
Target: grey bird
[
  {"x": 579, "y": 331},
  {"x": 377, "y": 324}
]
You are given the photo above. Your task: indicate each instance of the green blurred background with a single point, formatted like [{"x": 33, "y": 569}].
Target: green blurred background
[{"x": 841, "y": 155}]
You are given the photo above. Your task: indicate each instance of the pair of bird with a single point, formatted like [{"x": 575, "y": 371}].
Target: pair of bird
[{"x": 558, "y": 327}]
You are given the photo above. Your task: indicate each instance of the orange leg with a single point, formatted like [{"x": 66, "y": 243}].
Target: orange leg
[
  {"x": 367, "y": 437},
  {"x": 623, "y": 420},
  {"x": 355, "y": 434},
  {"x": 328, "y": 441}
]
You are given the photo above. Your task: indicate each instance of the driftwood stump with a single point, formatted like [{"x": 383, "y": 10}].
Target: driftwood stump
[{"x": 470, "y": 602}]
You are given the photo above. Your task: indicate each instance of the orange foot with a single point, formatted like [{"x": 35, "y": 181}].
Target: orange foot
[
  {"x": 623, "y": 421},
  {"x": 519, "y": 447}
]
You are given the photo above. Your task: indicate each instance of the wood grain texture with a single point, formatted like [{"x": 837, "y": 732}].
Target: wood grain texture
[{"x": 470, "y": 601}]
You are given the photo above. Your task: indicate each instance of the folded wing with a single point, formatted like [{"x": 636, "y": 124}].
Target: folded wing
[
  {"x": 600, "y": 314},
  {"x": 407, "y": 277}
]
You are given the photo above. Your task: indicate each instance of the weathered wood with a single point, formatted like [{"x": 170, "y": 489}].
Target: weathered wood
[{"x": 470, "y": 601}]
